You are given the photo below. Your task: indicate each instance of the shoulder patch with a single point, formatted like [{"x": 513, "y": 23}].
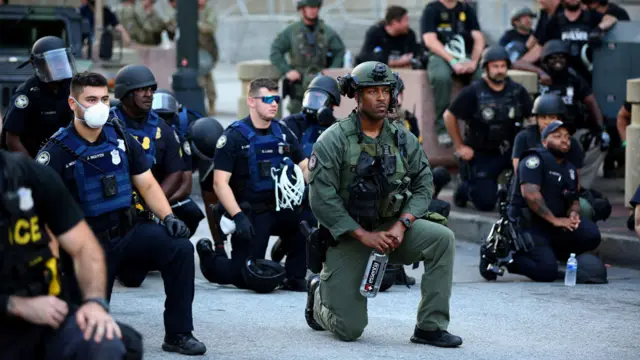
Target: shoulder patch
[
  {"x": 22, "y": 101},
  {"x": 177, "y": 137},
  {"x": 158, "y": 133},
  {"x": 532, "y": 162},
  {"x": 43, "y": 158},
  {"x": 222, "y": 141},
  {"x": 187, "y": 148},
  {"x": 313, "y": 160}
]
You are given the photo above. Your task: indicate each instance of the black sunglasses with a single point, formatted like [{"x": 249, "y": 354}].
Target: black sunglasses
[{"x": 268, "y": 99}]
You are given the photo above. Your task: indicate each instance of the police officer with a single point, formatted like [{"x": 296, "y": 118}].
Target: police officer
[
  {"x": 342, "y": 201},
  {"x": 141, "y": 20},
  {"x": 204, "y": 135},
  {"x": 36, "y": 321},
  {"x": 451, "y": 32},
  {"x": 312, "y": 46},
  {"x": 248, "y": 158},
  {"x": 39, "y": 107},
  {"x": 101, "y": 165},
  {"x": 607, "y": 7},
  {"x": 515, "y": 40},
  {"x": 581, "y": 29},
  {"x": 134, "y": 87},
  {"x": 493, "y": 109},
  {"x": 545, "y": 205},
  {"x": 166, "y": 106},
  {"x": 583, "y": 117}
]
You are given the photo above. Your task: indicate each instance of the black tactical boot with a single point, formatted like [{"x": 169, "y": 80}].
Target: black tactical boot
[
  {"x": 293, "y": 284},
  {"x": 312, "y": 285},
  {"x": 205, "y": 251},
  {"x": 484, "y": 265},
  {"x": 184, "y": 344},
  {"x": 403, "y": 279},
  {"x": 461, "y": 196},
  {"x": 440, "y": 338},
  {"x": 278, "y": 251}
]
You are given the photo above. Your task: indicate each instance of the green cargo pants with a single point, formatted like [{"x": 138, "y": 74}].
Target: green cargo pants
[
  {"x": 440, "y": 77},
  {"x": 340, "y": 308}
]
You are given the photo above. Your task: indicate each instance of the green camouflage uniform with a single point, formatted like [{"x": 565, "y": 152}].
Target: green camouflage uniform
[
  {"x": 207, "y": 41},
  {"x": 306, "y": 58},
  {"x": 144, "y": 28},
  {"x": 338, "y": 305}
]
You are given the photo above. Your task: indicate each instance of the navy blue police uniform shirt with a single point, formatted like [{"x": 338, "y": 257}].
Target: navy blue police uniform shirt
[
  {"x": 529, "y": 137},
  {"x": 297, "y": 123},
  {"x": 167, "y": 144},
  {"x": 232, "y": 153},
  {"x": 185, "y": 151},
  {"x": 62, "y": 162},
  {"x": 635, "y": 200},
  {"x": 36, "y": 113},
  {"x": 552, "y": 179}
]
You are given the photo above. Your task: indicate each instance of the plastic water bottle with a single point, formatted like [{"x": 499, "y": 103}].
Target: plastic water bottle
[
  {"x": 572, "y": 271},
  {"x": 373, "y": 274},
  {"x": 348, "y": 60}
]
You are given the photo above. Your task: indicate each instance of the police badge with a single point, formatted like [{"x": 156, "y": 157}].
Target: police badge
[
  {"x": 115, "y": 157},
  {"x": 488, "y": 113}
]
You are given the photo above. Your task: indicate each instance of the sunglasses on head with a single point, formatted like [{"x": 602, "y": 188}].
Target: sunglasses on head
[{"x": 269, "y": 99}]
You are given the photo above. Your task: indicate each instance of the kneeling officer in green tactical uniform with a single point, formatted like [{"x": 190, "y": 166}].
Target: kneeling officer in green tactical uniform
[{"x": 370, "y": 187}]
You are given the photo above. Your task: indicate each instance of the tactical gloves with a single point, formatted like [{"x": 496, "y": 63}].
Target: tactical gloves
[
  {"x": 243, "y": 226},
  {"x": 175, "y": 227}
]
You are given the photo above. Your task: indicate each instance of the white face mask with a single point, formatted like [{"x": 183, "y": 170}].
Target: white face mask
[{"x": 95, "y": 116}]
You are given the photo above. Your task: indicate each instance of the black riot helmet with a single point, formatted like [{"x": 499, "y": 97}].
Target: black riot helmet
[
  {"x": 591, "y": 270},
  {"x": 262, "y": 276},
  {"x": 553, "y": 47},
  {"x": 323, "y": 92},
  {"x": 549, "y": 104},
  {"x": 133, "y": 77},
  {"x": 164, "y": 102},
  {"x": 51, "y": 59},
  {"x": 204, "y": 134},
  {"x": 494, "y": 53}
]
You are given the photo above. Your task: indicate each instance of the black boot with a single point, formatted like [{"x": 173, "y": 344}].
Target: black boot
[
  {"x": 440, "y": 338},
  {"x": 184, "y": 344},
  {"x": 403, "y": 279},
  {"x": 484, "y": 265},
  {"x": 312, "y": 285},
  {"x": 294, "y": 284},
  {"x": 205, "y": 251},
  {"x": 461, "y": 196},
  {"x": 278, "y": 251}
]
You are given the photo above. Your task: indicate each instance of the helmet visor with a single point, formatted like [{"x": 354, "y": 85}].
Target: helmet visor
[
  {"x": 55, "y": 65},
  {"x": 164, "y": 103},
  {"x": 314, "y": 100}
]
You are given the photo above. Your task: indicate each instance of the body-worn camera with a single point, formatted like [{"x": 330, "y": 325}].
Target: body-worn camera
[{"x": 109, "y": 186}]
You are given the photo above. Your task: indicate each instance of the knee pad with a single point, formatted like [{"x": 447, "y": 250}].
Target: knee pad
[{"x": 133, "y": 343}]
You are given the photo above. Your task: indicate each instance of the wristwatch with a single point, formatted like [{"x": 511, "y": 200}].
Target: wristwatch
[
  {"x": 100, "y": 301},
  {"x": 406, "y": 222}
]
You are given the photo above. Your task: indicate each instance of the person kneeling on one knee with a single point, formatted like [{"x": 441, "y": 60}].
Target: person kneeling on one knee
[{"x": 546, "y": 189}]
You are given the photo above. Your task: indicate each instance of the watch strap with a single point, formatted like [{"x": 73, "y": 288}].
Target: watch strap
[{"x": 100, "y": 301}]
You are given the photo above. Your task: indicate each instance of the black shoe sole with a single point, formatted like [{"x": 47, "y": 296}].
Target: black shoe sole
[
  {"x": 308, "y": 311},
  {"x": 486, "y": 274},
  {"x": 417, "y": 340},
  {"x": 177, "y": 349}
]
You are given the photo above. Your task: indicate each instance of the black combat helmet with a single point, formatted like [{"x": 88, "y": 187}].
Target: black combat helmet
[
  {"x": 164, "y": 102},
  {"x": 494, "y": 53},
  {"x": 204, "y": 134},
  {"x": 133, "y": 77},
  {"x": 591, "y": 270},
  {"x": 549, "y": 104},
  {"x": 312, "y": 3},
  {"x": 51, "y": 59},
  {"x": 553, "y": 47},
  {"x": 523, "y": 11},
  {"x": 263, "y": 276}
]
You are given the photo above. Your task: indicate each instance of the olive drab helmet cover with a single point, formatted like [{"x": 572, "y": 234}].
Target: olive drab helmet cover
[
  {"x": 367, "y": 74},
  {"x": 312, "y": 3}
]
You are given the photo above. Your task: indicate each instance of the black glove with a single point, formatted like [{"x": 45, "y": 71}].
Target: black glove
[
  {"x": 595, "y": 38},
  {"x": 243, "y": 225},
  {"x": 175, "y": 227}
]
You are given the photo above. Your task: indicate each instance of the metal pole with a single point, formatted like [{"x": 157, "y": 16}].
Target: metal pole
[
  {"x": 98, "y": 17},
  {"x": 185, "y": 79}
]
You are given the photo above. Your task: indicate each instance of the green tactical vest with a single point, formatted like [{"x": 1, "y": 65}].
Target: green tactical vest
[
  {"x": 392, "y": 203},
  {"x": 309, "y": 57}
]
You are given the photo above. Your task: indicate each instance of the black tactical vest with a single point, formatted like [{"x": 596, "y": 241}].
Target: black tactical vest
[
  {"x": 576, "y": 35},
  {"x": 565, "y": 89},
  {"x": 498, "y": 117},
  {"x": 27, "y": 265}
]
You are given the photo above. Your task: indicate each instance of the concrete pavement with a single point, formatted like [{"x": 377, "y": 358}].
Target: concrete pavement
[{"x": 511, "y": 318}]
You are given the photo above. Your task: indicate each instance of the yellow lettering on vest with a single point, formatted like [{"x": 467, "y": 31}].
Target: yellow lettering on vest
[
  {"x": 26, "y": 231},
  {"x": 146, "y": 143},
  {"x": 36, "y": 235},
  {"x": 21, "y": 232}
]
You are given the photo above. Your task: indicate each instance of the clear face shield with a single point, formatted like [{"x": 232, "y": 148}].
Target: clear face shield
[
  {"x": 54, "y": 65},
  {"x": 314, "y": 100},
  {"x": 164, "y": 103}
]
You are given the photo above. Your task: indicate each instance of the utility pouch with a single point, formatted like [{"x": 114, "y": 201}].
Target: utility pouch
[{"x": 265, "y": 168}]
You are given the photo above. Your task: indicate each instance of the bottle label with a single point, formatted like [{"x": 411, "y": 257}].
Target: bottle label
[
  {"x": 572, "y": 267},
  {"x": 373, "y": 275}
]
